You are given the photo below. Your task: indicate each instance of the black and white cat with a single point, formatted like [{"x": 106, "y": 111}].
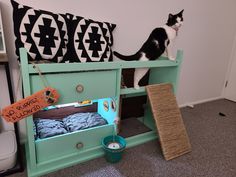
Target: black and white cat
[{"x": 159, "y": 41}]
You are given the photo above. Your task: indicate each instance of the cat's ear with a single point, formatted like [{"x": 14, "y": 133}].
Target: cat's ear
[
  {"x": 181, "y": 13},
  {"x": 170, "y": 16}
]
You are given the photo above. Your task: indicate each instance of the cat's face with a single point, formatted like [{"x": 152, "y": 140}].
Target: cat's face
[{"x": 175, "y": 21}]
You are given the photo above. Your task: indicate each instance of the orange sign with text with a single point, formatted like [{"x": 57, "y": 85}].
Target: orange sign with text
[{"x": 30, "y": 105}]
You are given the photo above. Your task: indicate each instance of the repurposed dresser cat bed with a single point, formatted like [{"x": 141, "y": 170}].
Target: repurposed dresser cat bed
[
  {"x": 100, "y": 82},
  {"x": 78, "y": 42}
]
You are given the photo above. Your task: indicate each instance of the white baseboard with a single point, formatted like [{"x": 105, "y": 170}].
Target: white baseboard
[{"x": 191, "y": 104}]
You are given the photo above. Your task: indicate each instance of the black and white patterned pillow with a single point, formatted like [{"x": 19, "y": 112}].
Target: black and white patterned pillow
[
  {"x": 44, "y": 34},
  {"x": 89, "y": 40}
]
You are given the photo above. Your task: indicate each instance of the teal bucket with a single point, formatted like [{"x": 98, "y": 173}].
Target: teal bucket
[{"x": 113, "y": 154}]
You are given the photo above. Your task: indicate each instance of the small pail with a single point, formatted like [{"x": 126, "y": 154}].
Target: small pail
[{"x": 113, "y": 146}]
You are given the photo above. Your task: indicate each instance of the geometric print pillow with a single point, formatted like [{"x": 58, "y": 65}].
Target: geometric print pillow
[
  {"x": 89, "y": 40},
  {"x": 61, "y": 37},
  {"x": 42, "y": 33}
]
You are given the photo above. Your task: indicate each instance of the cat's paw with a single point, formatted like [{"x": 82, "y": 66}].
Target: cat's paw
[
  {"x": 136, "y": 87},
  {"x": 171, "y": 58}
]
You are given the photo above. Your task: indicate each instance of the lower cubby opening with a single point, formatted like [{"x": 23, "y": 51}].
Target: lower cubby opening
[
  {"x": 135, "y": 117},
  {"x": 132, "y": 126}
]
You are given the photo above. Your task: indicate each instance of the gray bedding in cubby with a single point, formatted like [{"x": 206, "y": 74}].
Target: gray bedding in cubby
[{"x": 45, "y": 128}]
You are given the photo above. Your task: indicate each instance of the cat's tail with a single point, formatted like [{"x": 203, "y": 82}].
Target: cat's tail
[{"x": 127, "y": 57}]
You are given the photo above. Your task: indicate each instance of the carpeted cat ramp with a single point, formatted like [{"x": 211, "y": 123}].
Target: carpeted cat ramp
[{"x": 170, "y": 127}]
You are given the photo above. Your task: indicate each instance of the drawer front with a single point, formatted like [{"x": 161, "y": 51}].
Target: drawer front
[
  {"x": 79, "y": 86},
  {"x": 71, "y": 144}
]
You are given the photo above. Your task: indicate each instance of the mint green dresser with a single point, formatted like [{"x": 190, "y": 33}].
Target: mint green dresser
[{"x": 99, "y": 81}]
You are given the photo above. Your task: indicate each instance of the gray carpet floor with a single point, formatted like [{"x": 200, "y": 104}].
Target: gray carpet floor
[{"x": 213, "y": 140}]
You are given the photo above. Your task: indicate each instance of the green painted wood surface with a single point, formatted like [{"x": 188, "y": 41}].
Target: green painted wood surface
[
  {"x": 62, "y": 67},
  {"x": 167, "y": 74},
  {"x": 99, "y": 84},
  {"x": 126, "y": 91},
  {"x": 109, "y": 114},
  {"x": 63, "y": 145},
  {"x": 29, "y": 144},
  {"x": 59, "y": 163},
  {"x": 106, "y": 78},
  {"x": 141, "y": 138},
  {"x": 71, "y": 67}
]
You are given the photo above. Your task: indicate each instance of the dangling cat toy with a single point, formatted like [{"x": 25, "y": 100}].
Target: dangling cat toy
[{"x": 157, "y": 43}]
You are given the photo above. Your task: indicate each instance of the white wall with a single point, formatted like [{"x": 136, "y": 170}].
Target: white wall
[
  {"x": 206, "y": 37},
  {"x": 4, "y": 99}
]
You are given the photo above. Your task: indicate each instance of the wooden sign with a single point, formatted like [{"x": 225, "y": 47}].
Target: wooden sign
[{"x": 30, "y": 105}]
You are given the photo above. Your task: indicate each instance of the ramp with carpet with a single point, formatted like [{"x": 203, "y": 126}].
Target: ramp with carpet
[{"x": 170, "y": 127}]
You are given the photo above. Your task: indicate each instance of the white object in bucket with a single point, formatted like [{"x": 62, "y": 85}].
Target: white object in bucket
[
  {"x": 8, "y": 150},
  {"x": 114, "y": 145}
]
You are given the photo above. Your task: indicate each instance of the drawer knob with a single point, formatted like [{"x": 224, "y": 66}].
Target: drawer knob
[
  {"x": 79, "y": 88},
  {"x": 79, "y": 145}
]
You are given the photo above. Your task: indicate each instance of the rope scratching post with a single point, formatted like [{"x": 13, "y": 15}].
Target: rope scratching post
[{"x": 170, "y": 127}]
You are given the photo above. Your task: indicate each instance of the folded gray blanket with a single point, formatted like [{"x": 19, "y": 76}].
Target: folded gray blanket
[
  {"x": 80, "y": 121},
  {"x": 50, "y": 127}
]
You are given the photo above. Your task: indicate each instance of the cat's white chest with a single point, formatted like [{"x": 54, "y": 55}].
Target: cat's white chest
[{"x": 171, "y": 33}]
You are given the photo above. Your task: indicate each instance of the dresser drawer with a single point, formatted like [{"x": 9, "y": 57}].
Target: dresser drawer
[
  {"x": 71, "y": 144},
  {"x": 79, "y": 86}
]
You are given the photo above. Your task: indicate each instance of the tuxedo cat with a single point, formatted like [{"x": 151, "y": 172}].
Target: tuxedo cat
[{"x": 157, "y": 43}]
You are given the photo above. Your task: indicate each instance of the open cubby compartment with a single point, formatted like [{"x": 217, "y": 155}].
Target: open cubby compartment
[{"x": 100, "y": 80}]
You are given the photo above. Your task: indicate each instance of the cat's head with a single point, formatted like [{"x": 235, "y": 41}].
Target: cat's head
[{"x": 175, "y": 21}]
